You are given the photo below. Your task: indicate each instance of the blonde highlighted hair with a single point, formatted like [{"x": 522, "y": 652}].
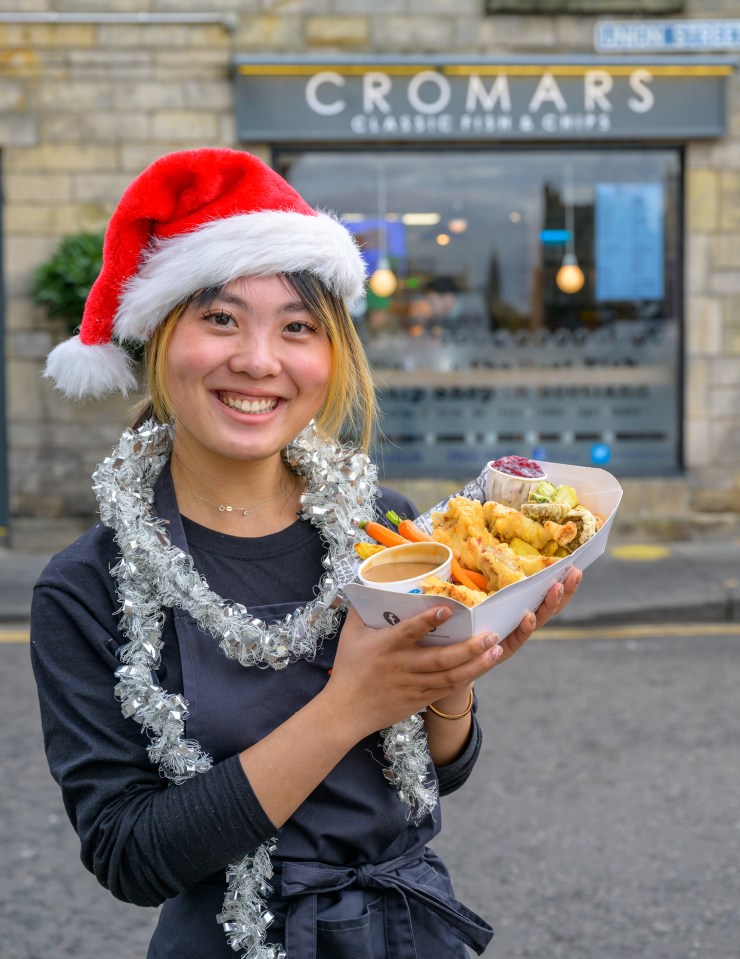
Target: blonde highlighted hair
[{"x": 349, "y": 410}]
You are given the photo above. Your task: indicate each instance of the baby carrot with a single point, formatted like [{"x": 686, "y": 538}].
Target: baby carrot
[
  {"x": 468, "y": 577},
  {"x": 381, "y": 534}
]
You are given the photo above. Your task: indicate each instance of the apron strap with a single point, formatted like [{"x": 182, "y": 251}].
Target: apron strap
[{"x": 304, "y": 881}]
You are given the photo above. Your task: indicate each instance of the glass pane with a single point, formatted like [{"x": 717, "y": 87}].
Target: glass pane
[{"x": 483, "y": 344}]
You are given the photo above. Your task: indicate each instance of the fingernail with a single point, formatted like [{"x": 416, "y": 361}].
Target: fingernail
[
  {"x": 560, "y": 591},
  {"x": 532, "y": 620},
  {"x": 442, "y": 614},
  {"x": 488, "y": 641}
]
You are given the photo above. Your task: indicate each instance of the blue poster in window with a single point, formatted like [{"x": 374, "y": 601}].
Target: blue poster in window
[{"x": 629, "y": 241}]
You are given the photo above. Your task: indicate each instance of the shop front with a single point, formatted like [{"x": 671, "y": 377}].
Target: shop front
[{"x": 522, "y": 227}]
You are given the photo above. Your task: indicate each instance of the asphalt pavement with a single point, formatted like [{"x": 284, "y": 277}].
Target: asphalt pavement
[{"x": 634, "y": 581}]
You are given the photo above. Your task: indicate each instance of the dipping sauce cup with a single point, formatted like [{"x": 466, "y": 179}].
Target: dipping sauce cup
[
  {"x": 511, "y": 479},
  {"x": 401, "y": 569}
]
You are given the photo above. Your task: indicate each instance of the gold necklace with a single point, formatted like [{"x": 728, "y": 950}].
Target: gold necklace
[{"x": 244, "y": 510}]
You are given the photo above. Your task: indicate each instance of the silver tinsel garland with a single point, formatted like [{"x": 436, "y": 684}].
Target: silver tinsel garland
[{"x": 341, "y": 486}]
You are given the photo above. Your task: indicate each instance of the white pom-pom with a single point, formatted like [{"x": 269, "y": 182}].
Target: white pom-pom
[{"x": 79, "y": 370}]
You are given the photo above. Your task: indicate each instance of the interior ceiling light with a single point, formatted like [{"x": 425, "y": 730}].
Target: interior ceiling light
[
  {"x": 421, "y": 219},
  {"x": 515, "y": 216},
  {"x": 569, "y": 278},
  {"x": 443, "y": 239},
  {"x": 383, "y": 282},
  {"x": 457, "y": 224}
]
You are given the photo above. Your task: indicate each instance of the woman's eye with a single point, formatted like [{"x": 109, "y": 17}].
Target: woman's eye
[
  {"x": 219, "y": 318},
  {"x": 300, "y": 326}
]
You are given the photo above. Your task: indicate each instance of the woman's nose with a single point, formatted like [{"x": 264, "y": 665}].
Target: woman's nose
[{"x": 257, "y": 356}]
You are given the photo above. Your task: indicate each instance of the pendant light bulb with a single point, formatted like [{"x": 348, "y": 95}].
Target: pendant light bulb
[
  {"x": 570, "y": 278},
  {"x": 383, "y": 282}
]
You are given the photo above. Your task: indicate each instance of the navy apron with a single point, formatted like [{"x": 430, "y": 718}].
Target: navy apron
[{"x": 353, "y": 879}]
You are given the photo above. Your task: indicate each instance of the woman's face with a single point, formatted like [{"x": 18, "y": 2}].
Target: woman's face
[{"x": 246, "y": 372}]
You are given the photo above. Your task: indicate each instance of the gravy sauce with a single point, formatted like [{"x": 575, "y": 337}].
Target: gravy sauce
[{"x": 392, "y": 572}]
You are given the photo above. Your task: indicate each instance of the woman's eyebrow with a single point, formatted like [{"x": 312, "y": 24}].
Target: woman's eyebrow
[{"x": 232, "y": 299}]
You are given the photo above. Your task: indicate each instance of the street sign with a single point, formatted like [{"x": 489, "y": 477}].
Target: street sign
[{"x": 674, "y": 36}]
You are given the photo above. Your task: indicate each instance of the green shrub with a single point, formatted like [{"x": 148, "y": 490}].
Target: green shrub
[{"x": 63, "y": 282}]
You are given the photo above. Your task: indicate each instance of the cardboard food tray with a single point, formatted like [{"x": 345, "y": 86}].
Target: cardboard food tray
[{"x": 502, "y": 612}]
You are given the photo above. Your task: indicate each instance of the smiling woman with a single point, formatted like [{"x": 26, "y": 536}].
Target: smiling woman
[{"x": 229, "y": 515}]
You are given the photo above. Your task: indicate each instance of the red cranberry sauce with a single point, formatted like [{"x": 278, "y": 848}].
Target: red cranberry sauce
[{"x": 518, "y": 466}]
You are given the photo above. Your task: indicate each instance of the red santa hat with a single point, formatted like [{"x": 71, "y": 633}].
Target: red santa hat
[{"x": 191, "y": 220}]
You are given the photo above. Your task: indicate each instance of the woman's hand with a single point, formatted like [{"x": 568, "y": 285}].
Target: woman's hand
[
  {"x": 447, "y": 738},
  {"x": 381, "y": 676}
]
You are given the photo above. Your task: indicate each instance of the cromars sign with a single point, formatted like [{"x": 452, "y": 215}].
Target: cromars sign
[{"x": 415, "y": 99}]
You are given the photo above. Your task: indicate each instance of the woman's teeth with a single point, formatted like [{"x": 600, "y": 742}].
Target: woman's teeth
[{"x": 250, "y": 406}]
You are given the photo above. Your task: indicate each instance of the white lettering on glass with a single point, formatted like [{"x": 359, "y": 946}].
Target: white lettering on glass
[
  {"x": 547, "y": 90},
  {"x": 488, "y": 99},
  {"x": 312, "y": 99},
  {"x": 375, "y": 88},
  {"x": 646, "y": 100},
  {"x": 596, "y": 85},
  {"x": 444, "y": 92}
]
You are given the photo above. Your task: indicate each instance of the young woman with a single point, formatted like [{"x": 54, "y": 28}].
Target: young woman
[{"x": 281, "y": 798}]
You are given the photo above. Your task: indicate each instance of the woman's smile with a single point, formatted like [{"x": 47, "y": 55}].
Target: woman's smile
[{"x": 238, "y": 402}]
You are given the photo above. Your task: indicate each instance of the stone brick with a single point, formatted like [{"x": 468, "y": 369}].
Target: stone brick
[
  {"x": 586, "y": 7},
  {"x": 432, "y": 8},
  {"x": 526, "y": 33},
  {"x": 729, "y": 201},
  {"x": 12, "y": 95},
  {"x": 97, "y": 64},
  {"x": 697, "y": 263},
  {"x": 22, "y": 254},
  {"x": 76, "y": 96},
  {"x": 291, "y": 8},
  {"x": 703, "y": 326},
  {"x": 243, "y": 7},
  {"x": 59, "y": 219},
  {"x": 725, "y": 251},
  {"x": 149, "y": 96},
  {"x": 99, "y": 187},
  {"x": 54, "y": 157},
  {"x": 358, "y": 7},
  {"x": 95, "y": 127},
  {"x": 95, "y": 6},
  {"x": 39, "y": 35},
  {"x": 18, "y": 129},
  {"x": 20, "y": 313},
  {"x": 184, "y": 125},
  {"x": 724, "y": 370},
  {"x": 136, "y": 156},
  {"x": 725, "y": 403},
  {"x": 208, "y": 94},
  {"x": 337, "y": 31},
  {"x": 37, "y": 188},
  {"x": 411, "y": 34},
  {"x": 725, "y": 443},
  {"x": 731, "y": 331},
  {"x": 29, "y": 345},
  {"x": 702, "y": 199},
  {"x": 696, "y": 441},
  {"x": 170, "y": 65},
  {"x": 574, "y": 34},
  {"x": 697, "y": 386},
  {"x": 176, "y": 35},
  {"x": 724, "y": 282},
  {"x": 269, "y": 33}
]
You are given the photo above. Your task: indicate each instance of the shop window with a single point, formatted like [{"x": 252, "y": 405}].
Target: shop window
[{"x": 520, "y": 301}]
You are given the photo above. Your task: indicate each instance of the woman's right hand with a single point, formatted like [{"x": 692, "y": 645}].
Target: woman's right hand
[{"x": 381, "y": 676}]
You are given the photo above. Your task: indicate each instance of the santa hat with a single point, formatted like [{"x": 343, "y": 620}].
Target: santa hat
[{"x": 194, "y": 219}]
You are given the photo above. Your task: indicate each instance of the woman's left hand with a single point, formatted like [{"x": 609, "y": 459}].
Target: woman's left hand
[{"x": 557, "y": 598}]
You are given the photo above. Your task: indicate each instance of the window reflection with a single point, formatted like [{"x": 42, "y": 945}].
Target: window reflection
[{"x": 479, "y": 351}]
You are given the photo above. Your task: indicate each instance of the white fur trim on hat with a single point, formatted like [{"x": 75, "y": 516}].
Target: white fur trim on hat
[
  {"x": 80, "y": 370},
  {"x": 253, "y": 244}
]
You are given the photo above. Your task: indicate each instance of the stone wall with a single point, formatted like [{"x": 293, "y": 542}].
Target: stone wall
[{"x": 85, "y": 106}]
